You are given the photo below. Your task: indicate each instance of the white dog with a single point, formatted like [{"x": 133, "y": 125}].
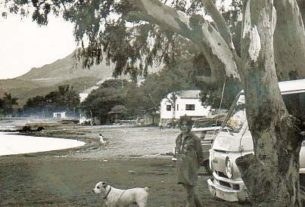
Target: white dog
[{"x": 121, "y": 198}]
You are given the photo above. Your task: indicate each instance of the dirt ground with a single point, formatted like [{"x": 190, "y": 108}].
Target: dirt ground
[{"x": 133, "y": 157}]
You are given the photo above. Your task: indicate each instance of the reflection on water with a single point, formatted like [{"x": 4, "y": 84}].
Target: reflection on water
[{"x": 18, "y": 144}]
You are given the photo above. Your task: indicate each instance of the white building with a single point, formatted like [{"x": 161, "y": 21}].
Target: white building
[
  {"x": 59, "y": 115},
  {"x": 187, "y": 103}
]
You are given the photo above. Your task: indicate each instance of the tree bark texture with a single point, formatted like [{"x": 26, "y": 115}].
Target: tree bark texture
[
  {"x": 289, "y": 41},
  {"x": 271, "y": 174}
]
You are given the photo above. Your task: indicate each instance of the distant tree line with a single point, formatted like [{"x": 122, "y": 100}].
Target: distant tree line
[
  {"x": 65, "y": 98},
  {"x": 7, "y": 104}
]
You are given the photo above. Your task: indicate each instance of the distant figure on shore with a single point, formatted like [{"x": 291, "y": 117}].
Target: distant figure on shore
[{"x": 103, "y": 140}]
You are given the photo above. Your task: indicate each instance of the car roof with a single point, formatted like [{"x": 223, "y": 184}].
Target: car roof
[{"x": 293, "y": 86}]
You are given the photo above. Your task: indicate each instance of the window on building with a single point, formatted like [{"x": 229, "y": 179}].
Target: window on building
[
  {"x": 190, "y": 107},
  {"x": 168, "y": 107},
  {"x": 177, "y": 107}
]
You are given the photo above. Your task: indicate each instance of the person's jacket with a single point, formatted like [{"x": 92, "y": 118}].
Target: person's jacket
[{"x": 189, "y": 158}]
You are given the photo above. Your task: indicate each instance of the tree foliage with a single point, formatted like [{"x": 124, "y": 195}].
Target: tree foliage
[
  {"x": 100, "y": 101},
  {"x": 7, "y": 103},
  {"x": 65, "y": 98},
  {"x": 174, "y": 77},
  {"x": 140, "y": 99}
]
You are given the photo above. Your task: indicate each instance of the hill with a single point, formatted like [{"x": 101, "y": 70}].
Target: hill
[{"x": 40, "y": 81}]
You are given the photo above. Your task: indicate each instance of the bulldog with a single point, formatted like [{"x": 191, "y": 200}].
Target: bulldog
[{"x": 115, "y": 197}]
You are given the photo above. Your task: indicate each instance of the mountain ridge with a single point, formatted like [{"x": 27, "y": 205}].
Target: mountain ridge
[{"x": 42, "y": 80}]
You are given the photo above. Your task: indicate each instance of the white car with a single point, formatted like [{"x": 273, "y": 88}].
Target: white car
[{"x": 234, "y": 140}]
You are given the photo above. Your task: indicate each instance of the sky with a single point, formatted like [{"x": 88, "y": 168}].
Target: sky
[{"x": 24, "y": 44}]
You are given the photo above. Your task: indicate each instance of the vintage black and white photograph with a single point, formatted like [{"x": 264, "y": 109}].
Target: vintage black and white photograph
[{"x": 152, "y": 103}]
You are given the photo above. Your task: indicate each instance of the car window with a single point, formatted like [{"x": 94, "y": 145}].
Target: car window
[
  {"x": 237, "y": 116},
  {"x": 295, "y": 104}
]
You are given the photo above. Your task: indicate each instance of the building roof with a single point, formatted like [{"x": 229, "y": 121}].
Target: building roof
[{"x": 188, "y": 94}]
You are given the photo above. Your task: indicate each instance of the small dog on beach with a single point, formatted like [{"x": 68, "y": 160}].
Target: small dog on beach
[{"x": 121, "y": 198}]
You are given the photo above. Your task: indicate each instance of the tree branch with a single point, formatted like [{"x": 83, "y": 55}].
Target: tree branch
[
  {"x": 219, "y": 54},
  {"x": 219, "y": 21}
]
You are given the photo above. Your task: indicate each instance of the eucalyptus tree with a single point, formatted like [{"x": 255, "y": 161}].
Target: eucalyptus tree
[{"x": 138, "y": 33}]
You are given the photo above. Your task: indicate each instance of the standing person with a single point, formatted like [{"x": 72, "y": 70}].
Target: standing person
[{"x": 189, "y": 157}]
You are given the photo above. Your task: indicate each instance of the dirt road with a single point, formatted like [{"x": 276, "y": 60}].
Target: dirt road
[{"x": 125, "y": 142}]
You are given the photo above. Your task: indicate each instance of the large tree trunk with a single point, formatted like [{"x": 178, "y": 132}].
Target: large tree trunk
[
  {"x": 289, "y": 41},
  {"x": 271, "y": 174}
]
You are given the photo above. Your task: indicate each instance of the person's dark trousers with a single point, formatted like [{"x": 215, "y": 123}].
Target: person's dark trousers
[{"x": 192, "y": 198}]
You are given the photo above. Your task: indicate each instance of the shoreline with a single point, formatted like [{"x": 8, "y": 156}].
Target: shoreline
[
  {"x": 90, "y": 143},
  {"x": 116, "y": 149}
]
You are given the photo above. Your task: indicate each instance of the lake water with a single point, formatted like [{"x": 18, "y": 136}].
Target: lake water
[{"x": 11, "y": 143}]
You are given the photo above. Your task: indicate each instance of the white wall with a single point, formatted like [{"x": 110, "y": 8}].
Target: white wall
[
  {"x": 164, "y": 114},
  {"x": 59, "y": 115}
]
